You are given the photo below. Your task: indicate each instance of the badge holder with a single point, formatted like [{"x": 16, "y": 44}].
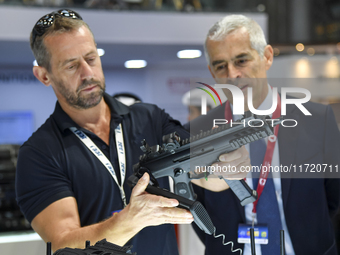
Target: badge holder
[
  {"x": 252, "y": 242},
  {"x": 260, "y": 233}
]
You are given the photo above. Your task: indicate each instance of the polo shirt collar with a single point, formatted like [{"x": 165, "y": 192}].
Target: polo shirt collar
[
  {"x": 115, "y": 105},
  {"x": 65, "y": 122}
]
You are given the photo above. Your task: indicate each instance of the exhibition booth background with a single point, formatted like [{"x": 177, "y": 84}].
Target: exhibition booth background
[{"x": 155, "y": 37}]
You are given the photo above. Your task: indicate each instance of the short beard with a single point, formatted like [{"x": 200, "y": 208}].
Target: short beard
[{"x": 82, "y": 102}]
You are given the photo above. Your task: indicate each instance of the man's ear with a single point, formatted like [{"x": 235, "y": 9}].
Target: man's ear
[
  {"x": 268, "y": 56},
  {"x": 42, "y": 75}
]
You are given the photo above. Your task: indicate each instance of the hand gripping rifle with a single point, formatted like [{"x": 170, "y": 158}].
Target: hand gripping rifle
[
  {"x": 101, "y": 247},
  {"x": 178, "y": 159}
]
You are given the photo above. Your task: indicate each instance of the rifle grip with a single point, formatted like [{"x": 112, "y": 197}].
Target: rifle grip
[
  {"x": 241, "y": 189},
  {"x": 183, "y": 186}
]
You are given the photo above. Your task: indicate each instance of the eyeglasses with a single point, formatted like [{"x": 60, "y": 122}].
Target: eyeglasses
[{"x": 46, "y": 21}]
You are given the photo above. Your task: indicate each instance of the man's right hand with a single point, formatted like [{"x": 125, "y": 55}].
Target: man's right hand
[
  {"x": 59, "y": 223},
  {"x": 146, "y": 209},
  {"x": 237, "y": 160}
]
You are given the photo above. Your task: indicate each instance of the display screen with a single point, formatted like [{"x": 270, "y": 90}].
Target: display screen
[{"x": 15, "y": 126}]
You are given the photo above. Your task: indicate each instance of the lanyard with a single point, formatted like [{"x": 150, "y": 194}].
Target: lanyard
[
  {"x": 269, "y": 151},
  {"x": 98, "y": 153}
]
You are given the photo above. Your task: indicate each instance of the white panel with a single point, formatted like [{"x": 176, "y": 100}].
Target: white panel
[{"x": 28, "y": 243}]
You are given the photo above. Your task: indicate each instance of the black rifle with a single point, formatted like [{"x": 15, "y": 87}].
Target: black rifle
[
  {"x": 101, "y": 247},
  {"x": 179, "y": 158}
]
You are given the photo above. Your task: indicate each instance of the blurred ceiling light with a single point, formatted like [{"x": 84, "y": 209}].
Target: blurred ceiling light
[
  {"x": 332, "y": 68},
  {"x": 101, "y": 52},
  {"x": 138, "y": 63},
  {"x": 189, "y": 54},
  {"x": 35, "y": 63},
  {"x": 310, "y": 51},
  {"x": 276, "y": 52},
  {"x": 300, "y": 47},
  {"x": 302, "y": 68}
]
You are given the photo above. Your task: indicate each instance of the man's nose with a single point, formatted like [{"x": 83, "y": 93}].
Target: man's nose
[
  {"x": 233, "y": 72},
  {"x": 86, "y": 71}
]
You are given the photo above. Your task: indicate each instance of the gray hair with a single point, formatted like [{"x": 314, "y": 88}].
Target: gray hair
[{"x": 233, "y": 22}]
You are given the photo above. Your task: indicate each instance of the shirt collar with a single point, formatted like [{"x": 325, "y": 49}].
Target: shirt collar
[
  {"x": 65, "y": 122},
  {"x": 268, "y": 101},
  {"x": 265, "y": 105}
]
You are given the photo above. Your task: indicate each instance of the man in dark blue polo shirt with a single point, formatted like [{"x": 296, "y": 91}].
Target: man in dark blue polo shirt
[{"x": 70, "y": 176}]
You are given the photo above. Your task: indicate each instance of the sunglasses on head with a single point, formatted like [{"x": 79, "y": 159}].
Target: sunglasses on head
[{"x": 47, "y": 21}]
